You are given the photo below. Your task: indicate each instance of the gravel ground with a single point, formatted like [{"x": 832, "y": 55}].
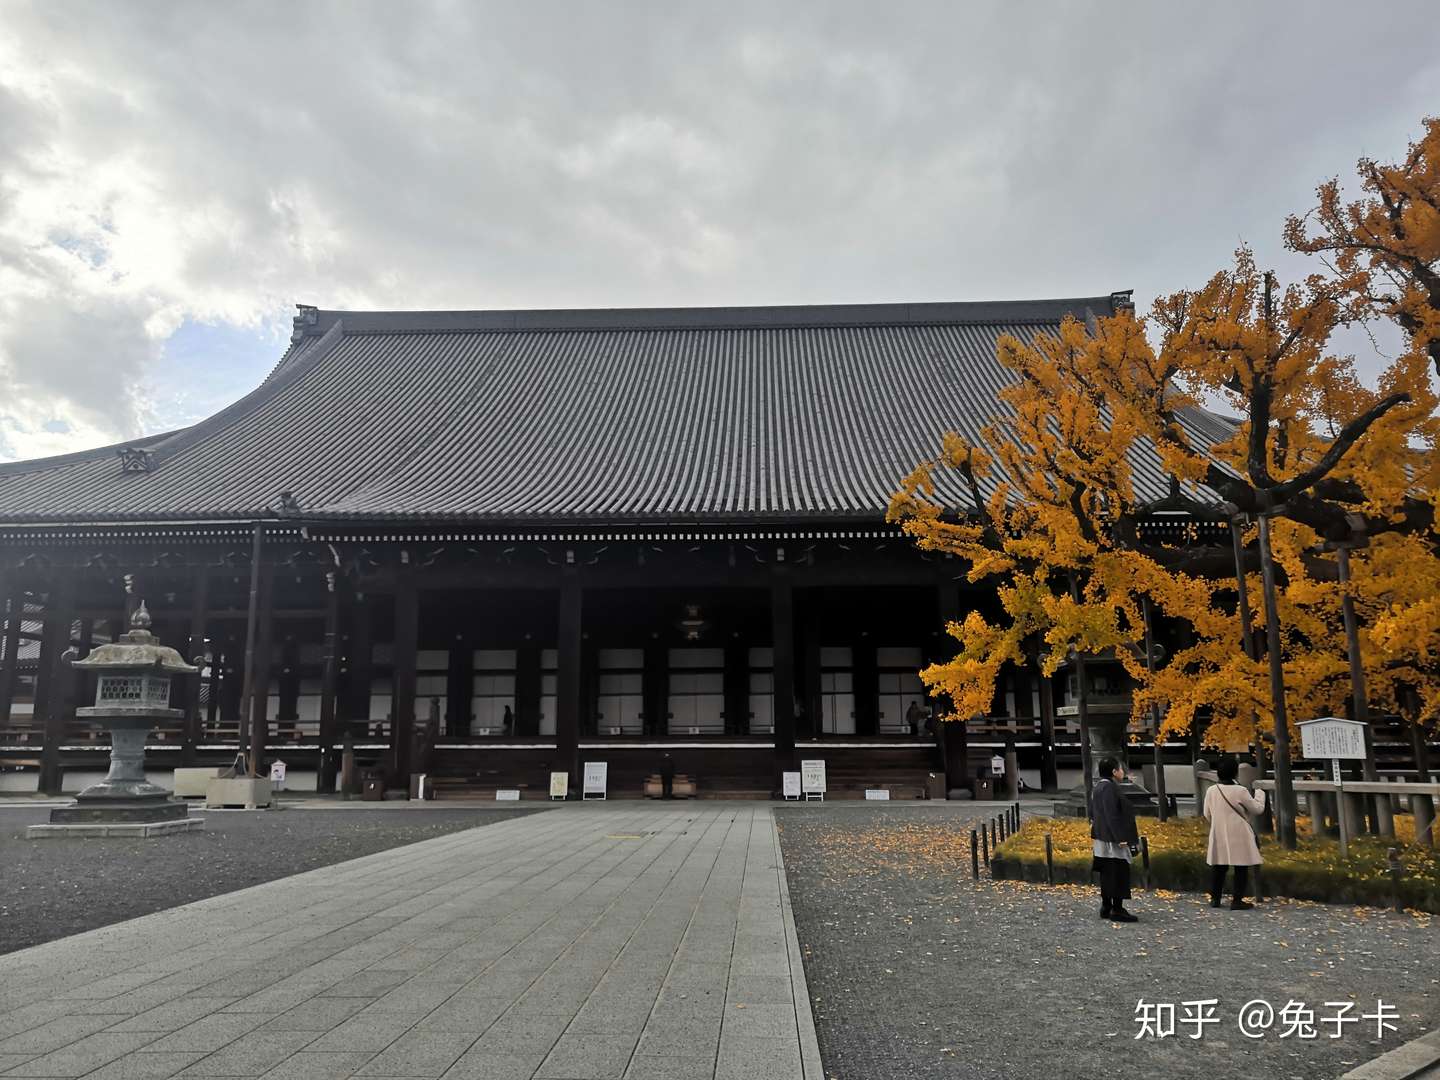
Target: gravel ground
[
  {"x": 53, "y": 888},
  {"x": 915, "y": 971}
]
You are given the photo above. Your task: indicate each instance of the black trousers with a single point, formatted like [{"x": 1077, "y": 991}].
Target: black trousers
[
  {"x": 1217, "y": 881},
  {"x": 1114, "y": 880}
]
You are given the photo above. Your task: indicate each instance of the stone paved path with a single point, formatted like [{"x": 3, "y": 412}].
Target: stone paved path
[{"x": 588, "y": 942}]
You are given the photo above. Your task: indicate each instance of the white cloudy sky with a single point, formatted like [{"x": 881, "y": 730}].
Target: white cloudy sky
[{"x": 174, "y": 176}]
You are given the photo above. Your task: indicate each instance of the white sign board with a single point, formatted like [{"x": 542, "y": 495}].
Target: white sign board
[
  {"x": 277, "y": 774},
  {"x": 997, "y": 765},
  {"x": 1332, "y": 737},
  {"x": 507, "y": 795},
  {"x": 877, "y": 794},
  {"x": 559, "y": 785},
  {"x": 812, "y": 778},
  {"x": 791, "y": 782},
  {"x": 594, "y": 780}
]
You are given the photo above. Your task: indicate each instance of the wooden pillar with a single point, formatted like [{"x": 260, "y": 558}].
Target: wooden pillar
[
  {"x": 810, "y": 723},
  {"x": 569, "y": 675},
  {"x": 406, "y": 649},
  {"x": 328, "y": 763},
  {"x": 1049, "y": 774},
  {"x": 527, "y": 689},
  {"x": 865, "y": 686},
  {"x": 194, "y": 649},
  {"x": 954, "y": 743},
  {"x": 257, "y": 668},
  {"x": 362, "y": 663},
  {"x": 460, "y": 686},
  {"x": 655, "y": 689},
  {"x": 287, "y": 686},
  {"x": 10, "y": 630},
  {"x": 782, "y": 641},
  {"x": 52, "y": 673},
  {"x": 589, "y": 686},
  {"x": 737, "y": 687}
]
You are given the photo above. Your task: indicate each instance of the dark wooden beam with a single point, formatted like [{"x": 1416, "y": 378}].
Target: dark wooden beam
[
  {"x": 329, "y": 685},
  {"x": 527, "y": 689},
  {"x": 865, "y": 684},
  {"x": 737, "y": 687},
  {"x": 405, "y": 659},
  {"x": 782, "y": 639},
  {"x": 10, "y": 630},
  {"x": 53, "y": 671},
  {"x": 361, "y": 653},
  {"x": 257, "y": 671},
  {"x": 655, "y": 687},
  {"x": 195, "y": 649},
  {"x": 569, "y": 681}
]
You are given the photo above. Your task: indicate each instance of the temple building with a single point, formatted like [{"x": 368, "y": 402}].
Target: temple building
[{"x": 490, "y": 545}]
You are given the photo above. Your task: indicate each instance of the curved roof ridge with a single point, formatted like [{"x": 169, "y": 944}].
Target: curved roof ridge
[{"x": 715, "y": 318}]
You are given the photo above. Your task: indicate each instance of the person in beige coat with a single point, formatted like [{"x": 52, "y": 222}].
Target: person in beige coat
[{"x": 1229, "y": 807}]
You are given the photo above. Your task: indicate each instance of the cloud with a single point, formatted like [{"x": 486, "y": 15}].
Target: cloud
[{"x": 171, "y": 165}]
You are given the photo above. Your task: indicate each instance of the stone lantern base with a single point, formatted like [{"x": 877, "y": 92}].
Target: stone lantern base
[
  {"x": 124, "y": 803},
  {"x": 1107, "y": 739}
]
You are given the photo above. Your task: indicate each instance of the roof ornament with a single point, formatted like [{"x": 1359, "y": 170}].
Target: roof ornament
[
  {"x": 289, "y": 504},
  {"x": 307, "y": 316},
  {"x": 141, "y": 619},
  {"x": 1123, "y": 301},
  {"x": 134, "y": 459}
]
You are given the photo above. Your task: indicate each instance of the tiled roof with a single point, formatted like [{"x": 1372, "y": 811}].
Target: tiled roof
[{"x": 556, "y": 416}]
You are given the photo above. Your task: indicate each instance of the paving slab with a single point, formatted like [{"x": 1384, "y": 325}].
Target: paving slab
[{"x": 594, "y": 942}]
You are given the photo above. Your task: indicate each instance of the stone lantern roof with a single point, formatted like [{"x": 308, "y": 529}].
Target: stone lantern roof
[{"x": 136, "y": 651}]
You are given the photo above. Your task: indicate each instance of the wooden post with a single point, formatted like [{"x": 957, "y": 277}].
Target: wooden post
[
  {"x": 360, "y": 680},
  {"x": 329, "y": 685},
  {"x": 194, "y": 648},
  {"x": 528, "y": 679},
  {"x": 865, "y": 687},
  {"x": 1049, "y": 772},
  {"x": 569, "y": 675},
  {"x": 1162, "y": 807},
  {"x": 1381, "y": 818},
  {"x": 782, "y": 640},
  {"x": 1049, "y": 859},
  {"x": 460, "y": 687},
  {"x": 257, "y": 673},
  {"x": 10, "y": 630},
  {"x": 252, "y": 617},
  {"x": 985, "y": 843},
  {"x": 975, "y": 856},
  {"x": 406, "y": 650},
  {"x": 52, "y": 671},
  {"x": 736, "y": 685},
  {"x": 1422, "y": 806}
]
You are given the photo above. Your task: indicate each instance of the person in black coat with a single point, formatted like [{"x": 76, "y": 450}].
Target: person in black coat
[
  {"x": 667, "y": 777},
  {"x": 1115, "y": 840}
]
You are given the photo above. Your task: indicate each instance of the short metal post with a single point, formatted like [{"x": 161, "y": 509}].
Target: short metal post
[
  {"x": 974, "y": 856},
  {"x": 985, "y": 844},
  {"x": 1049, "y": 859},
  {"x": 1395, "y": 873},
  {"x": 1145, "y": 859}
]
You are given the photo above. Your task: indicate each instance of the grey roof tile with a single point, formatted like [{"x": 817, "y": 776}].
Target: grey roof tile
[{"x": 613, "y": 416}]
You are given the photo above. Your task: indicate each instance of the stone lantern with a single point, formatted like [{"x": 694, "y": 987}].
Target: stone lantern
[{"x": 132, "y": 696}]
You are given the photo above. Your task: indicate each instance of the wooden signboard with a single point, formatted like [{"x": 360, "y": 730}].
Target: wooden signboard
[
  {"x": 812, "y": 778},
  {"x": 594, "y": 786}
]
